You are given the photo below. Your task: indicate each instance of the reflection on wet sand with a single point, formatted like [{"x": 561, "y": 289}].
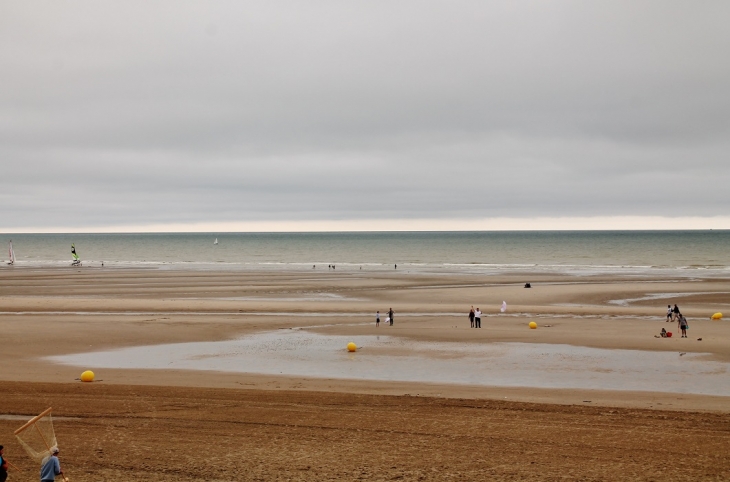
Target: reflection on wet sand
[{"x": 306, "y": 354}]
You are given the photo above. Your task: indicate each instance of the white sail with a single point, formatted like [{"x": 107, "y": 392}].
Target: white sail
[
  {"x": 216, "y": 241},
  {"x": 11, "y": 253}
]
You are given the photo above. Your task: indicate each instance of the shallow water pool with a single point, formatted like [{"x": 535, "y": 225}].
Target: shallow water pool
[{"x": 299, "y": 352}]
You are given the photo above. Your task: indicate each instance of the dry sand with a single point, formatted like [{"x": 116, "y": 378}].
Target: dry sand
[{"x": 184, "y": 425}]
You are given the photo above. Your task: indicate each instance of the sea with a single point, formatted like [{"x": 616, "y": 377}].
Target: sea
[{"x": 580, "y": 253}]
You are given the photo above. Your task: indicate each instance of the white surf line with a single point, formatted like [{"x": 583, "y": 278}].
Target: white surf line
[{"x": 664, "y": 296}]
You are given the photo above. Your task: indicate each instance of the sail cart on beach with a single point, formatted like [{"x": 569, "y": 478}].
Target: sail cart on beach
[
  {"x": 77, "y": 260},
  {"x": 11, "y": 253},
  {"x": 38, "y": 439}
]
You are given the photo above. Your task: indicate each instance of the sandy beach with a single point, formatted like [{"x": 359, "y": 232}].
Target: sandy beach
[{"x": 159, "y": 425}]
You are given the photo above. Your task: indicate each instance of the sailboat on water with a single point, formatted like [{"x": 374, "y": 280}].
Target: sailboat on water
[
  {"x": 11, "y": 253},
  {"x": 216, "y": 241},
  {"x": 77, "y": 260}
]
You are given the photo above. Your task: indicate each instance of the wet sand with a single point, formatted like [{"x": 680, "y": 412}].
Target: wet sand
[{"x": 54, "y": 312}]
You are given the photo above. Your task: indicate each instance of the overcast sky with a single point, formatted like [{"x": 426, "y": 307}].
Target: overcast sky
[{"x": 237, "y": 115}]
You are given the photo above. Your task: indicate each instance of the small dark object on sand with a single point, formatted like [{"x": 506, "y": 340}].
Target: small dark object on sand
[
  {"x": 527, "y": 285},
  {"x": 699, "y": 339}
]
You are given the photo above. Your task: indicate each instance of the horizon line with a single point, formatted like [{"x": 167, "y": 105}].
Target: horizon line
[{"x": 573, "y": 223}]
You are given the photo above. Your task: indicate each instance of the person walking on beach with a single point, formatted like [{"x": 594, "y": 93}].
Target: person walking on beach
[
  {"x": 377, "y": 319},
  {"x": 51, "y": 467},
  {"x": 390, "y": 315},
  {"x": 3, "y": 465},
  {"x": 471, "y": 317},
  {"x": 683, "y": 325},
  {"x": 669, "y": 313},
  {"x": 676, "y": 312},
  {"x": 477, "y": 319}
]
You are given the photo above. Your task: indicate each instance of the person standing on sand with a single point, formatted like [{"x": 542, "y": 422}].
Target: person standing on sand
[
  {"x": 669, "y": 313},
  {"x": 51, "y": 467},
  {"x": 471, "y": 317},
  {"x": 683, "y": 325},
  {"x": 390, "y": 315},
  {"x": 3, "y": 466},
  {"x": 377, "y": 319},
  {"x": 676, "y": 312},
  {"x": 478, "y": 319}
]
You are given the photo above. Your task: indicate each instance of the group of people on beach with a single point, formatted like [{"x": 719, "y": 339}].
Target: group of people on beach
[
  {"x": 388, "y": 320},
  {"x": 475, "y": 317},
  {"x": 673, "y": 314}
]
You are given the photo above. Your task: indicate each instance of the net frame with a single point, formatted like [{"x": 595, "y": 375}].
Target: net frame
[{"x": 37, "y": 436}]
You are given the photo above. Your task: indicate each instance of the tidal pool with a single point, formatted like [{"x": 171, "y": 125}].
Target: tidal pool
[{"x": 299, "y": 352}]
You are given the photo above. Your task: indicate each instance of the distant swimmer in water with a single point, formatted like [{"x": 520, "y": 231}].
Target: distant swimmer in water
[{"x": 396, "y": 267}]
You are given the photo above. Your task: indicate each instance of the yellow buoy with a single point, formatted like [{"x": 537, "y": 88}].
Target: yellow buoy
[
  {"x": 717, "y": 316},
  {"x": 87, "y": 376},
  {"x": 351, "y": 347},
  {"x": 533, "y": 325}
]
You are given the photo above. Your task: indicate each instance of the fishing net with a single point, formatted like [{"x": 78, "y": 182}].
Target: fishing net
[{"x": 37, "y": 436}]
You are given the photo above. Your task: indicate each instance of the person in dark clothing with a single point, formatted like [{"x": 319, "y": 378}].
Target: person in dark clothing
[
  {"x": 676, "y": 312},
  {"x": 390, "y": 315},
  {"x": 3, "y": 465},
  {"x": 471, "y": 317}
]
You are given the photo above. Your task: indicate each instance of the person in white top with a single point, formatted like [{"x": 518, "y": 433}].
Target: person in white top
[{"x": 478, "y": 318}]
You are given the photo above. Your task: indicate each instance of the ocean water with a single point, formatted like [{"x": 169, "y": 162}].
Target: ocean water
[{"x": 675, "y": 253}]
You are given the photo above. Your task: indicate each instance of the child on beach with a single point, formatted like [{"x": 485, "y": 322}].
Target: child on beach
[
  {"x": 669, "y": 313},
  {"x": 377, "y": 319}
]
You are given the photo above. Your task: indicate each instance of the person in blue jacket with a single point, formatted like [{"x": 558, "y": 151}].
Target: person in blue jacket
[{"x": 51, "y": 467}]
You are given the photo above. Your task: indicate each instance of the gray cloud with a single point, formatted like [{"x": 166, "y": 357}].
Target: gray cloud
[{"x": 141, "y": 113}]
